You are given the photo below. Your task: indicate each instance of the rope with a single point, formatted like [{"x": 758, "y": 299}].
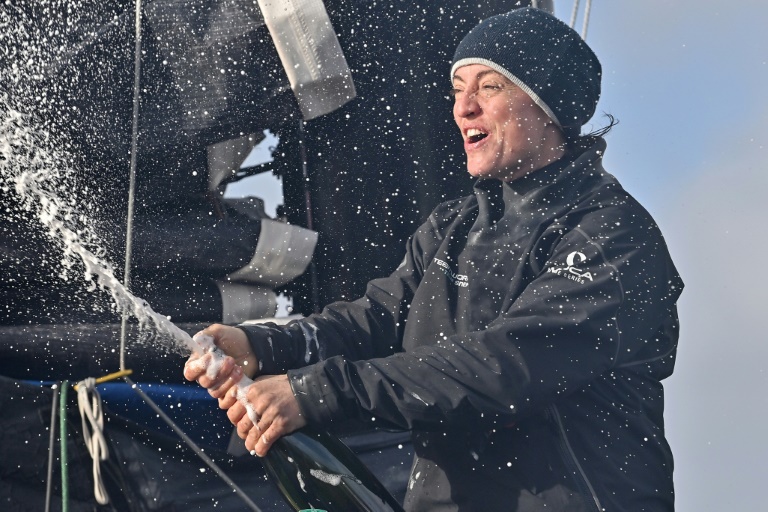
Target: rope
[
  {"x": 51, "y": 443},
  {"x": 127, "y": 269},
  {"x": 587, "y": 10},
  {"x": 63, "y": 447},
  {"x": 574, "y": 13},
  {"x": 132, "y": 176},
  {"x": 89, "y": 403}
]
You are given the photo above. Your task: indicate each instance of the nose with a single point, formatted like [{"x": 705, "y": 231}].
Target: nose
[{"x": 466, "y": 105}]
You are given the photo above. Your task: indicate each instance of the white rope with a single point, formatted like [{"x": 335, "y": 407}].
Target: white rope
[
  {"x": 585, "y": 22},
  {"x": 89, "y": 403},
  {"x": 574, "y": 13},
  {"x": 587, "y": 11}
]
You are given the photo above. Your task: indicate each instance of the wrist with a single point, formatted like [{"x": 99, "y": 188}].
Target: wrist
[{"x": 250, "y": 366}]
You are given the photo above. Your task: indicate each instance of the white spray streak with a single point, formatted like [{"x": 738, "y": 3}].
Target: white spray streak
[
  {"x": 32, "y": 165},
  {"x": 24, "y": 148}
]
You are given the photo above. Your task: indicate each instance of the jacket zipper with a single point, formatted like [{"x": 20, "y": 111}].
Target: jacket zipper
[{"x": 569, "y": 457}]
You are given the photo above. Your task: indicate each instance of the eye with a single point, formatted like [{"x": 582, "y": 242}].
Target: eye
[
  {"x": 492, "y": 87},
  {"x": 453, "y": 92}
]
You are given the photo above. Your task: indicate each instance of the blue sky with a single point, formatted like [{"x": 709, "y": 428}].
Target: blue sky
[{"x": 687, "y": 80}]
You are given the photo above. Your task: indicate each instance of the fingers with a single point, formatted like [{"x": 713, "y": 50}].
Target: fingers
[
  {"x": 236, "y": 412},
  {"x": 252, "y": 443},
  {"x": 211, "y": 371},
  {"x": 233, "y": 342},
  {"x": 224, "y": 384},
  {"x": 195, "y": 366},
  {"x": 266, "y": 425},
  {"x": 231, "y": 397},
  {"x": 245, "y": 426},
  {"x": 260, "y": 440},
  {"x": 278, "y": 413},
  {"x": 262, "y": 412},
  {"x": 205, "y": 365}
]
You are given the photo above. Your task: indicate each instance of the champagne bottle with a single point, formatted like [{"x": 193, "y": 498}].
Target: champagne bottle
[
  {"x": 316, "y": 471},
  {"x": 312, "y": 469}
]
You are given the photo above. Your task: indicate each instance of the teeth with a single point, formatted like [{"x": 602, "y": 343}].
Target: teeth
[{"x": 472, "y": 132}]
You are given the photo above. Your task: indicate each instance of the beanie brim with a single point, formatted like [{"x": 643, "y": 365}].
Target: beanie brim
[
  {"x": 543, "y": 56},
  {"x": 519, "y": 83}
]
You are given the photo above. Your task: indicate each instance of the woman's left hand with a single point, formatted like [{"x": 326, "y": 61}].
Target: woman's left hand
[{"x": 276, "y": 409}]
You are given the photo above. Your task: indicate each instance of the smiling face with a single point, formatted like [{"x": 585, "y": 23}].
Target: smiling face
[{"x": 506, "y": 135}]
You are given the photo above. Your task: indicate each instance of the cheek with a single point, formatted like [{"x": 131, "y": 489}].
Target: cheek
[
  {"x": 456, "y": 119},
  {"x": 508, "y": 130}
]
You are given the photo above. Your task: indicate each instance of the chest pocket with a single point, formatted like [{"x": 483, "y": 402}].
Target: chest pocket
[{"x": 494, "y": 270}]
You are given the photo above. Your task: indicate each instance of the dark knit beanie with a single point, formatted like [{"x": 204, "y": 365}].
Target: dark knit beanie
[{"x": 543, "y": 56}]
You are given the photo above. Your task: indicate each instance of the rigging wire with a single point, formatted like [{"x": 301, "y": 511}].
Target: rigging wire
[
  {"x": 127, "y": 272},
  {"x": 132, "y": 179},
  {"x": 51, "y": 443},
  {"x": 587, "y": 11},
  {"x": 63, "y": 447},
  {"x": 199, "y": 451},
  {"x": 574, "y": 13}
]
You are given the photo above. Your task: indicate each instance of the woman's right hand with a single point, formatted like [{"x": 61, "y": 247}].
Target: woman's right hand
[{"x": 218, "y": 374}]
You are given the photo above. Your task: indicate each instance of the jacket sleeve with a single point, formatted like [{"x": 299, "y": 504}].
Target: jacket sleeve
[
  {"x": 367, "y": 328},
  {"x": 596, "y": 298}
]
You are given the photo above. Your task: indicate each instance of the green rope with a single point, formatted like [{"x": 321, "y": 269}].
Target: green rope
[{"x": 63, "y": 446}]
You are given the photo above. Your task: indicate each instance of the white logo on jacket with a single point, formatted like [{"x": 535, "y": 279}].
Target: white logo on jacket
[
  {"x": 457, "y": 279},
  {"x": 571, "y": 270}
]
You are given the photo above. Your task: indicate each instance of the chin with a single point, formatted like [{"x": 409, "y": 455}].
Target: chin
[
  {"x": 478, "y": 172},
  {"x": 482, "y": 173}
]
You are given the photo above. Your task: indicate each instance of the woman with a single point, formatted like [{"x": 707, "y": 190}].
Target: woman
[{"x": 524, "y": 336}]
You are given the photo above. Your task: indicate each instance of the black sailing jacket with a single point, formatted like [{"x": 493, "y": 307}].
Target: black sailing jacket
[{"x": 522, "y": 340}]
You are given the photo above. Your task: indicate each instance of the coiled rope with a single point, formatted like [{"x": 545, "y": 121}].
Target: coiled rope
[{"x": 91, "y": 414}]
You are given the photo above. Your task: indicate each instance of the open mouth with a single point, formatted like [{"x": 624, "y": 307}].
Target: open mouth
[{"x": 474, "y": 135}]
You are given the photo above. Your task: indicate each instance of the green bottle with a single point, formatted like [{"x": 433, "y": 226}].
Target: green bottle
[{"x": 316, "y": 471}]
